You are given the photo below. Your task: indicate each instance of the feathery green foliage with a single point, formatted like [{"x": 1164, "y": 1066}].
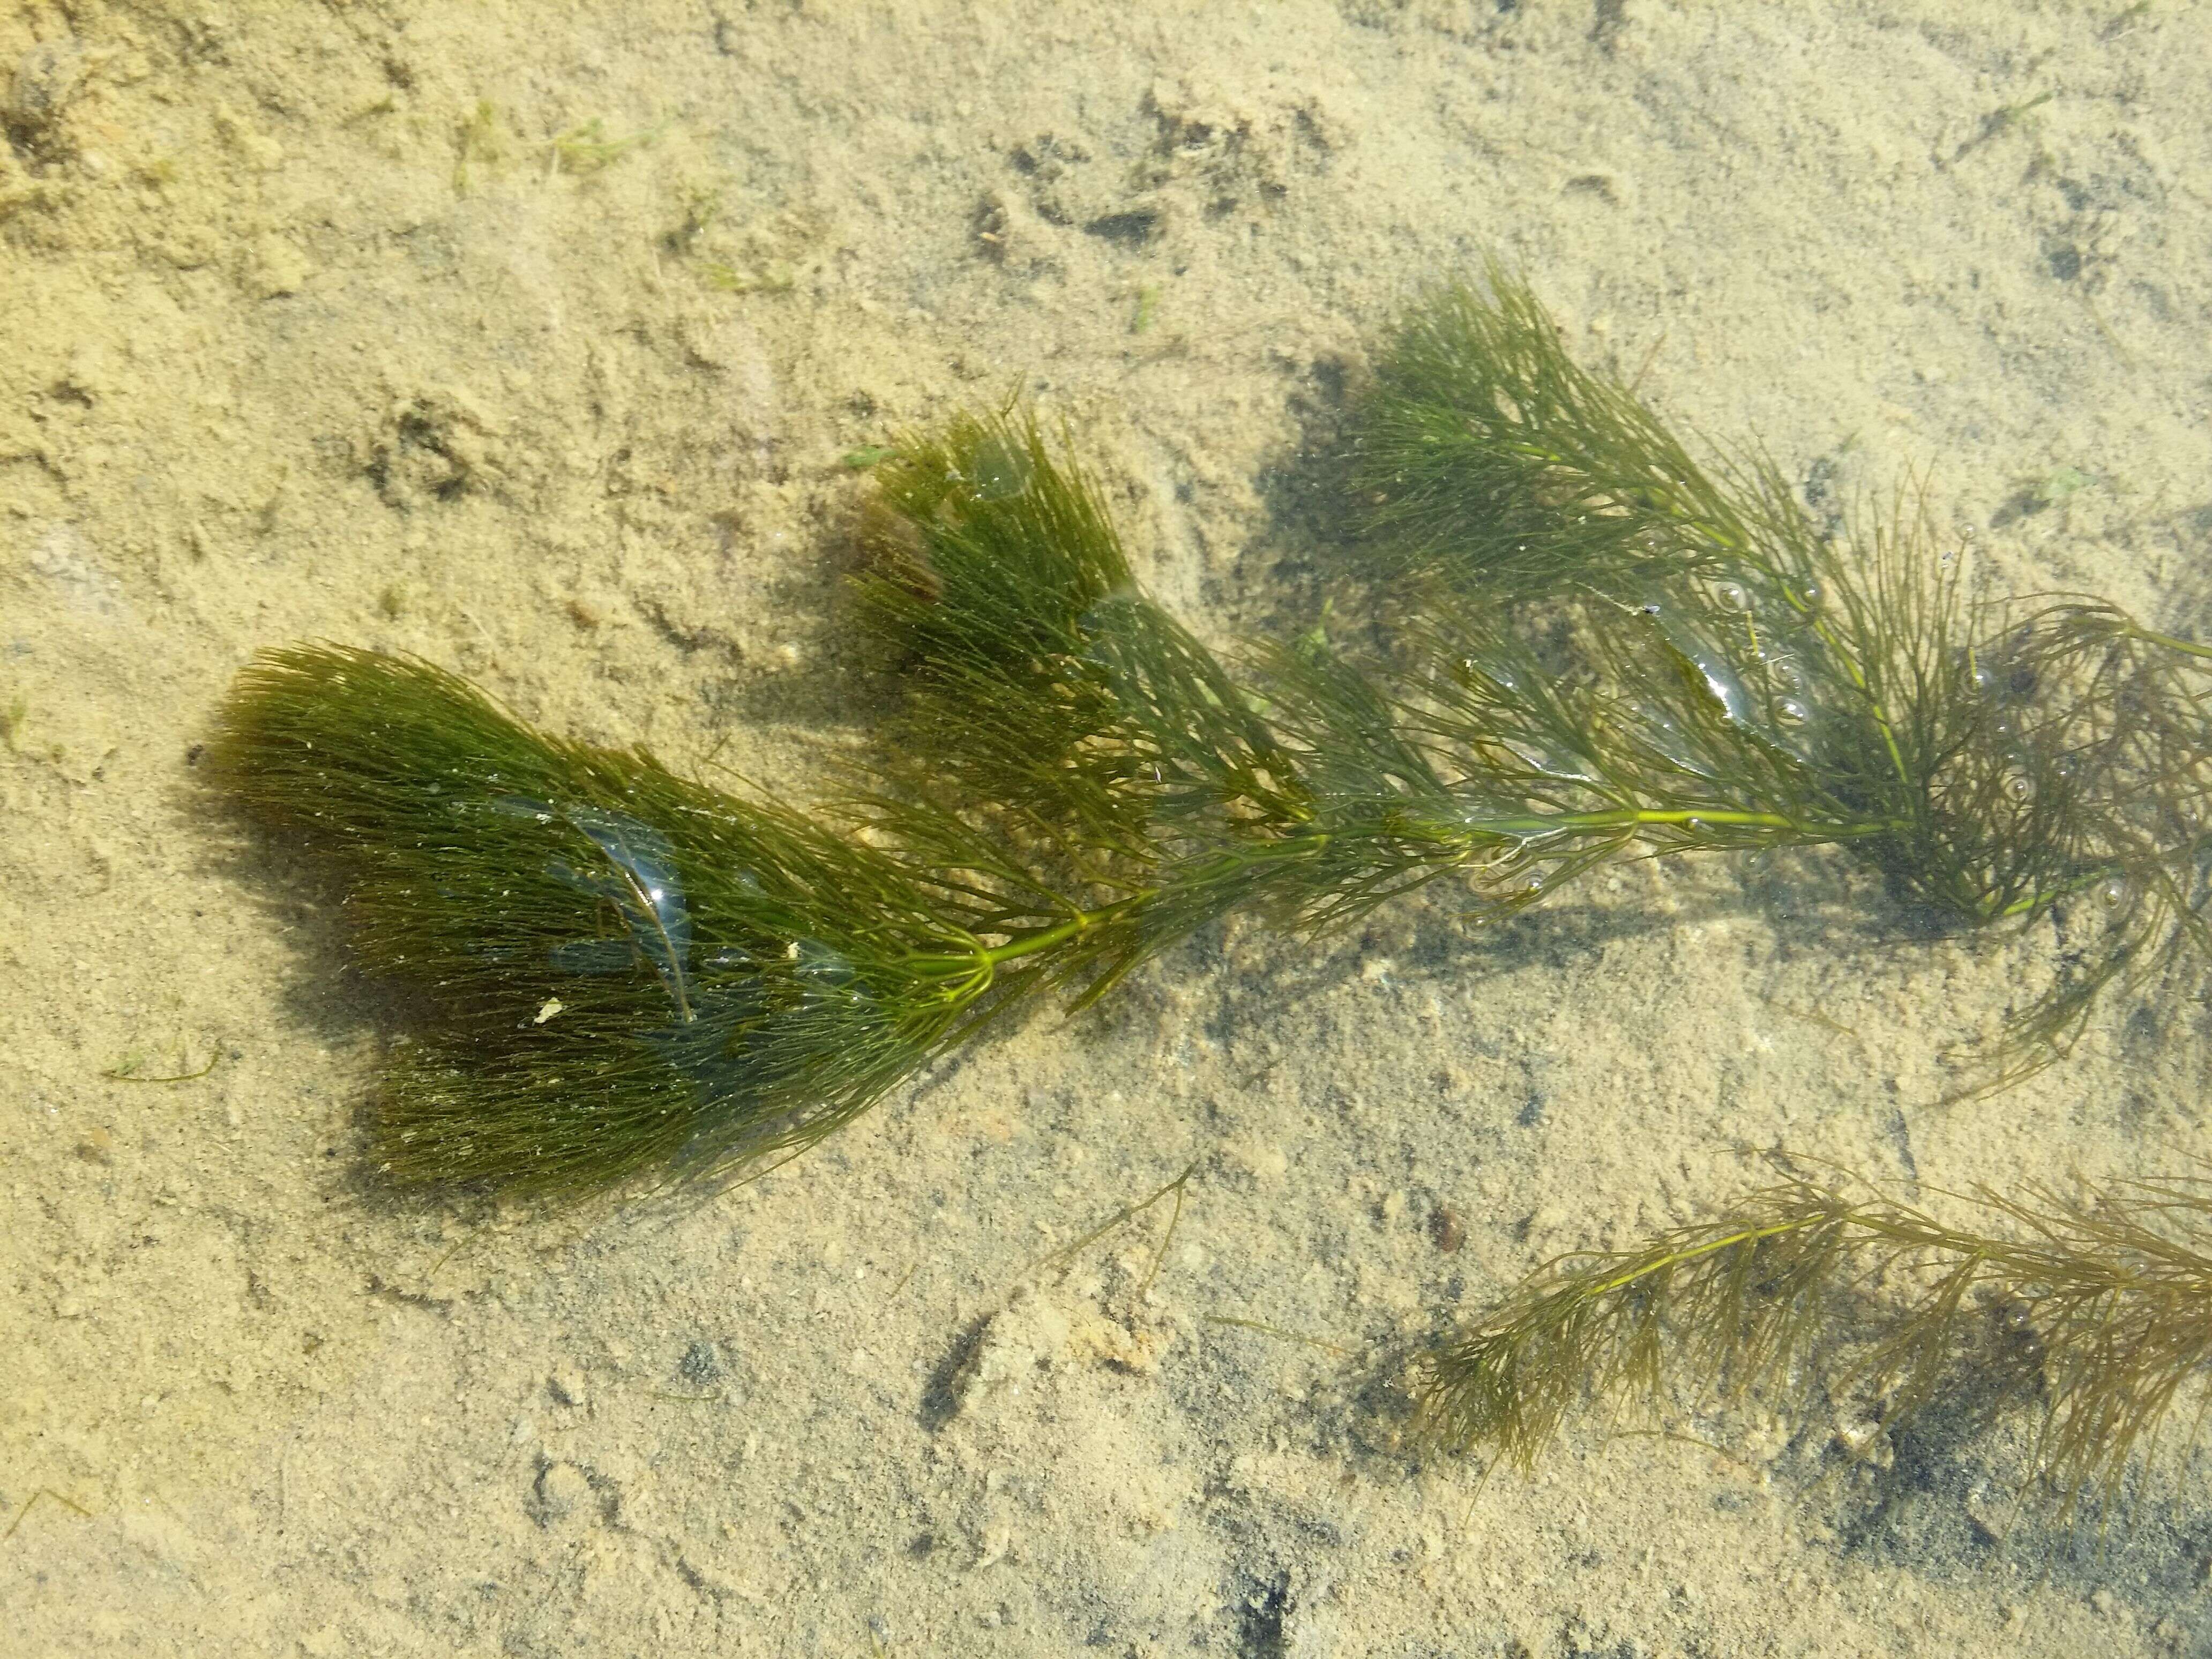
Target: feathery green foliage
[
  {"x": 2090, "y": 1315},
  {"x": 623, "y": 971},
  {"x": 1652, "y": 657},
  {"x": 1605, "y": 653},
  {"x": 1042, "y": 685},
  {"x": 1486, "y": 450},
  {"x": 1050, "y": 698},
  {"x": 628, "y": 973}
]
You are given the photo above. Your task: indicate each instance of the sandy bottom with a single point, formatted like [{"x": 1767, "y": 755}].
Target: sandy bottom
[{"x": 530, "y": 339}]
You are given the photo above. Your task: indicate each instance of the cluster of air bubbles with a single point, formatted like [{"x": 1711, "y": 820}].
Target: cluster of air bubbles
[
  {"x": 1787, "y": 675},
  {"x": 817, "y": 961},
  {"x": 1732, "y": 596}
]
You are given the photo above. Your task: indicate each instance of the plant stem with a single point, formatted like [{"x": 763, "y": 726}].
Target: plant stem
[
  {"x": 1538, "y": 828},
  {"x": 1699, "y": 1252},
  {"x": 1461, "y": 838}
]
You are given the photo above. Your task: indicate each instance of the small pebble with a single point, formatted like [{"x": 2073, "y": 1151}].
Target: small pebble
[
  {"x": 1866, "y": 1443},
  {"x": 1444, "y": 1229},
  {"x": 701, "y": 1366}
]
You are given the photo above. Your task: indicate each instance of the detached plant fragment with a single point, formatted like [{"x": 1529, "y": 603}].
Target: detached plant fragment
[
  {"x": 2086, "y": 1317},
  {"x": 1598, "y": 650}
]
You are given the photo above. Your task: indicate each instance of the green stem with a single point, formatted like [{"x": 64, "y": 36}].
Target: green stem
[
  {"x": 1697, "y": 1252},
  {"x": 985, "y": 960},
  {"x": 1463, "y": 836},
  {"x": 2049, "y": 895},
  {"x": 1536, "y": 827},
  {"x": 1044, "y": 939},
  {"x": 1827, "y": 636},
  {"x": 2187, "y": 648}
]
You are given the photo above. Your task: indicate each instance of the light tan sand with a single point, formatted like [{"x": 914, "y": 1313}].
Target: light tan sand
[{"x": 312, "y": 327}]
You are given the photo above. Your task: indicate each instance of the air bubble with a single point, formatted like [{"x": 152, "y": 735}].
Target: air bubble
[
  {"x": 2020, "y": 788},
  {"x": 2112, "y": 895},
  {"x": 1787, "y": 675},
  {"x": 1809, "y": 596},
  {"x": 1792, "y": 712},
  {"x": 819, "y": 963},
  {"x": 1731, "y": 596}
]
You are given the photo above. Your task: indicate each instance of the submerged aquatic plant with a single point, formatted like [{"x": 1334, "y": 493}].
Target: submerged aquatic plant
[
  {"x": 1603, "y": 652},
  {"x": 2091, "y": 1316}
]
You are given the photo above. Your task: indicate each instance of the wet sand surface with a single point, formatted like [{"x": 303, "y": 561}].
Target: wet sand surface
[{"x": 532, "y": 339}]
